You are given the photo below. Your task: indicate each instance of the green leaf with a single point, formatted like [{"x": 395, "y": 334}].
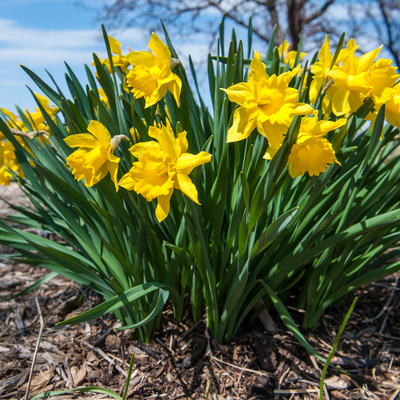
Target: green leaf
[
  {"x": 163, "y": 296},
  {"x": 335, "y": 345},
  {"x": 114, "y": 303},
  {"x": 273, "y": 231},
  {"x": 46, "y": 89},
  {"x": 288, "y": 320}
]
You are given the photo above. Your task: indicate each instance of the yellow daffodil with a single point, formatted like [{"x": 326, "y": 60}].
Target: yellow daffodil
[
  {"x": 103, "y": 97},
  {"x": 152, "y": 73},
  {"x": 8, "y": 161},
  {"x": 163, "y": 166},
  {"x": 13, "y": 122},
  {"x": 350, "y": 80},
  {"x": 36, "y": 118},
  {"x": 118, "y": 60},
  {"x": 313, "y": 153},
  {"x": 289, "y": 56},
  {"x": 266, "y": 103},
  {"x": 94, "y": 159},
  {"x": 321, "y": 68},
  {"x": 393, "y": 108},
  {"x": 135, "y": 135}
]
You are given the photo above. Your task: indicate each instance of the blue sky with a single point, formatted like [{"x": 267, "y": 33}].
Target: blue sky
[{"x": 43, "y": 34}]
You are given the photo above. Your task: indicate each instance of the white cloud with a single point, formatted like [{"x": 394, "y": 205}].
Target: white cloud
[
  {"x": 43, "y": 47},
  {"x": 40, "y": 48}
]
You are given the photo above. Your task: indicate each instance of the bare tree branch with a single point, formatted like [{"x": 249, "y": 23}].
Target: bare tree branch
[
  {"x": 319, "y": 13},
  {"x": 310, "y": 17},
  {"x": 388, "y": 25}
]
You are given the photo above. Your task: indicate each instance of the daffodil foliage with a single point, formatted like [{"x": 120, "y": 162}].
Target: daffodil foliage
[{"x": 290, "y": 179}]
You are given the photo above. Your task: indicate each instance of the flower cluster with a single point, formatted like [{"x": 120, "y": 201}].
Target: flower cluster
[
  {"x": 151, "y": 74},
  {"x": 266, "y": 103},
  {"x": 8, "y": 159},
  {"x": 269, "y": 103}
]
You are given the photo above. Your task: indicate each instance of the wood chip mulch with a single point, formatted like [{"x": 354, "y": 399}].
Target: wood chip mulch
[{"x": 182, "y": 362}]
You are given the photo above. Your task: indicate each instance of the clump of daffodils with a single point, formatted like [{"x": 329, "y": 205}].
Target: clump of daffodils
[
  {"x": 160, "y": 197},
  {"x": 266, "y": 104}
]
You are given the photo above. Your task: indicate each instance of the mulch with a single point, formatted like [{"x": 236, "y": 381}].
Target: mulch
[{"x": 182, "y": 361}]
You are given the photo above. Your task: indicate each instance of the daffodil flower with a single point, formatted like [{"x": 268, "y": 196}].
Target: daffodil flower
[
  {"x": 266, "y": 103},
  {"x": 152, "y": 73},
  {"x": 313, "y": 153},
  {"x": 8, "y": 161},
  {"x": 289, "y": 56},
  {"x": 94, "y": 159},
  {"x": 351, "y": 80},
  {"x": 37, "y": 117},
  {"x": 103, "y": 97},
  {"x": 321, "y": 68},
  {"x": 12, "y": 122},
  {"x": 392, "y": 108},
  {"x": 118, "y": 60},
  {"x": 163, "y": 166}
]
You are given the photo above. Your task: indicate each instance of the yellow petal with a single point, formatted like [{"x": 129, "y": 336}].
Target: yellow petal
[
  {"x": 175, "y": 87},
  {"x": 161, "y": 51},
  {"x": 257, "y": 70},
  {"x": 184, "y": 183},
  {"x": 95, "y": 158},
  {"x": 186, "y": 162},
  {"x": 142, "y": 58},
  {"x": 325, "y": 56},
  {"x": 162, "y": 209},
  {"x": 355, "y": 100},
  {"x": 112, "y": 167},
  {"x": 127, "y": 182},
  {"x": 182, "y": 141},
  {"x": 339, "y": 75},
  {"x": 241, "y": 127},
  {"x": 100, "y": 132},
  {"x": 81, "y": 140},
  {"x": 140, "y": 148},
  {"x": 315, "y": 88},
  {"x": 270, "y": 153},
  {"x": 368, "y": 59},
  {"x": 323, "y": 127},
  {"x": 239, "y": 93},
  {"x": 340, "y": 101},
  {"x": 303, "y": 109},
  {"x": 273, "y": 132},
  {"x": 115, "y": 46},
  {"x": 167, "y": 141}
]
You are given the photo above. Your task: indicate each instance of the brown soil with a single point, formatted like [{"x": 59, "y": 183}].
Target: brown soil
[{"x": 182, "y": 362}]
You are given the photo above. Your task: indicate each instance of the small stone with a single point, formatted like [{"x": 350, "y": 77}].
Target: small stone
[{"x": 113, "y": 342}]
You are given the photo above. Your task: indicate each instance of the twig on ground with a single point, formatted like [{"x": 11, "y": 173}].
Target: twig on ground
[
  {"x": 384, "y": 309},
  {"x": 281, "y": 381},
  {"x": 5, "y": 331},
  {"x": 395, "y": 394},
  {"x": 383, "y": 326},
  {"x": 295, "y": 391},
  {"x": 105, "y": 356},
  {"x": 209, "y": 353},
  {"x": 184, "y": 334},
  {"x": 36, "y": 349},
  {"x": 149, "y": 351},
  {"x": 165, "y": 346}
]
